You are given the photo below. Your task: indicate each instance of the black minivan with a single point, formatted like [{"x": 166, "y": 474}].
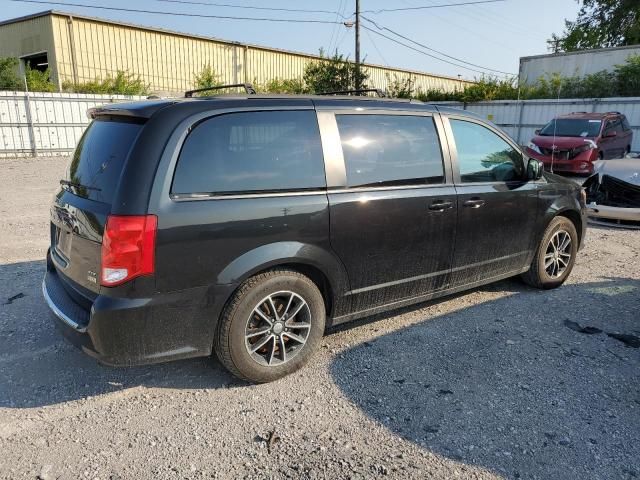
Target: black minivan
[{"x": 247, "y": 224}]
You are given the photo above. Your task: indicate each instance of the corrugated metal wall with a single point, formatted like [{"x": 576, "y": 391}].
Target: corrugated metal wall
[
  {"x": 45, "y": 123},
  {"x": 521, "y": 118},
  {"x": 168, "y": 62}
]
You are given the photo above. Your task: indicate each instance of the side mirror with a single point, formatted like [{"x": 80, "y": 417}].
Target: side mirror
[
  {"x": 610, "y": 134},
  {"x": 534, "y": 169},
  {"x": 537, "y": 131}
]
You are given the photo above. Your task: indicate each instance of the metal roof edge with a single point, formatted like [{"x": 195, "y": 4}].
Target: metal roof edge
[
  {"x": 24, "y": 18},
  {"x": 581, "y": 52}
]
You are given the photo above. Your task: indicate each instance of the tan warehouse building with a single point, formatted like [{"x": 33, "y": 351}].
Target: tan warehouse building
[{"x": 80, "y": 49}]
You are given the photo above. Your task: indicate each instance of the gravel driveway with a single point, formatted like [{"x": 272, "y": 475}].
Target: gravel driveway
[{"x": 495, "y": 383}]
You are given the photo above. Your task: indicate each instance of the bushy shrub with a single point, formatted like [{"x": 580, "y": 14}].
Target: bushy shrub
[
  {"x": 333, "y": 74},
  {"x": 277, "y": 85},
  {"x": 9, "y": 79},
  {"x": 400, "y": 88},
  {"x": 38, "y": 81},
  {"x": 628, "y": 77},
  {"x": 207, "y": 78},
  {"x": 122, "y": 84}
]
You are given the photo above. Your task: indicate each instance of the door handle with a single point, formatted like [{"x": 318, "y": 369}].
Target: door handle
[
  {"x": 474, "y": 203},
  {"x": 440, "y": 206}
]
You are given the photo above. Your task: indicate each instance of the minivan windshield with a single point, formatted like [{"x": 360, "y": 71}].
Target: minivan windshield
[
  {"x": 99, "y": 158},
  {"x": 572, "y": 127}
]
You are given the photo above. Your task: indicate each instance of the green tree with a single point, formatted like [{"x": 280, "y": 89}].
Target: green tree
[
  {"x": 600, "y": 24},
  {"x": 335, "y": 73},
  {"x": 9, "y": 79}
]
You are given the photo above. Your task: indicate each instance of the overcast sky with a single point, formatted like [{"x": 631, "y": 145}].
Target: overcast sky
[{"x": 492, "y": 35}]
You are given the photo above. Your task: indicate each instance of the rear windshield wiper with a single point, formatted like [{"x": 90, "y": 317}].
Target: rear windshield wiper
[{"x": 69, "y": 183}]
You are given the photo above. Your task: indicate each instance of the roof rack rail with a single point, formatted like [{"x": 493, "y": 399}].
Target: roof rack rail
[
  {"x": 380, "y": 93},
  {"x": 248, "y": 88},
  {"x": 615, "y": 113}
]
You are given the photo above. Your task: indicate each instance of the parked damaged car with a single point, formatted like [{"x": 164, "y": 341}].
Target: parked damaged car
[
  {"x": 613, "y": 193},
  {"x": 573, "y": 143}
]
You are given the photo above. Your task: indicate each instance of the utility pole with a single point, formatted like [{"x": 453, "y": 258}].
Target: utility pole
[{"x": 358, "y": 86}]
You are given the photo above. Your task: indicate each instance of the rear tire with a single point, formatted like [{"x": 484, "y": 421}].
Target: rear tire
[
  {"x": 271, "y": 327},
  {"x": 555, "y": 256}
]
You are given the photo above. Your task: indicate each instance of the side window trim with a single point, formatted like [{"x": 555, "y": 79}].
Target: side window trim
[
  {"x": 454, "y": 152},
  {"x": 335, "y": 167}
]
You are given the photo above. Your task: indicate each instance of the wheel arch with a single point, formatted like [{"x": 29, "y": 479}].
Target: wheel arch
[
  {"x": 313, "y": 261},
  {"x": 575, "y": 218}
]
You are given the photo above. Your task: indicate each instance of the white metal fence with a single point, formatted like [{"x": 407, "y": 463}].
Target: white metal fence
[
  {"x": 52, "y": 123},
  {"x": 45, "y": 123},
  {"x": 520, "y": 119}
]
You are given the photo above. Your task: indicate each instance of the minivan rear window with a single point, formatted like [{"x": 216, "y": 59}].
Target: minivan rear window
[
  {"x": 97, "y": 163},
  {"x": 249, "y": 152}
]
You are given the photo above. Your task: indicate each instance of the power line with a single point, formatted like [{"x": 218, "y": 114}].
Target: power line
[
  {"x": 248, "y": 7},
  {"x": 424, "y": 7},
  {"x": 380, "y": 27},
  {"x": 335, "y": 30},
  {"x": 420, "y": 51},
  {"x": 176, "y": 14},
  {"x": 342, "y": 39},
  {"x": 386, "y": 64}
]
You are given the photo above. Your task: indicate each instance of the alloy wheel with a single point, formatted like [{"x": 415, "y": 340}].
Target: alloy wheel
[
  {"x": 277, "y": 328},
  {"x": 558, "y": 254}
]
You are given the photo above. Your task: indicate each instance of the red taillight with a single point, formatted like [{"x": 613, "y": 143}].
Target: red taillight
[{"x": 128, "y": 248}]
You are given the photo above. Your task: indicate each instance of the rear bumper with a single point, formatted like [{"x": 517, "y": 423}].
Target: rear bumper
[{"x": 123, "y": 332}]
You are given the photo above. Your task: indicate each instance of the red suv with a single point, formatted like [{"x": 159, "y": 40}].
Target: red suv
[{"x": 571, "y": 143}]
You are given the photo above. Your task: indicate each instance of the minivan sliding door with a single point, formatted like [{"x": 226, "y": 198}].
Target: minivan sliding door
[{"x": 392, "y": 204}]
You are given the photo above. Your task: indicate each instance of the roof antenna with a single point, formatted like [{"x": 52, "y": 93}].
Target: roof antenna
[{"x": 555, "y": 127}]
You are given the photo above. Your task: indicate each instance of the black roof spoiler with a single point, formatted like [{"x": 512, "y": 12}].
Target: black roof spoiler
[{"x": 142, "y": 110}]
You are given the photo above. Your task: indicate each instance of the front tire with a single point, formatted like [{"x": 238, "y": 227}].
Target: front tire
[
  {"x": 555, "y": 256},
  {"x": 271, "y": 327}
]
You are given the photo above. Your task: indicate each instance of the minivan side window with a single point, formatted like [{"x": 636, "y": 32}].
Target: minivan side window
[
  {"x": 251, "y": 152},
  {"x": 614, "y": 125},
  {"x": 484, "y": 156},
  {"x": 625, "y": 124},
  {"x": 617, "y": 125},
  {"x": 388, "y": 150}
]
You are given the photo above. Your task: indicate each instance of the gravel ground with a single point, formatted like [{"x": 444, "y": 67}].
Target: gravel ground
[{"x": 489, "y": 384}]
